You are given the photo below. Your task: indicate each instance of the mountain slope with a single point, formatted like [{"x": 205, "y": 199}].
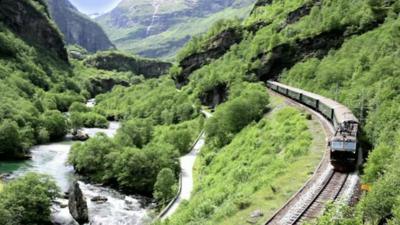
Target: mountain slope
[
  {"x": 30, "y": 21},
  {"x": 347, "y": 50},
  {"x": 78, "y": 28},
  {"x": 158, "y": 28}
]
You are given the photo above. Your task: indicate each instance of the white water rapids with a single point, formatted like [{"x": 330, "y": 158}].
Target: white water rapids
[{"x": 51, "y": 159}]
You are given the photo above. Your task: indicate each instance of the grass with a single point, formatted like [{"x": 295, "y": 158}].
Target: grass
[
  {"x": 263, "y": 166},
  {"x": 289, "y": 182},
  {"x": 1, "y": 186}
]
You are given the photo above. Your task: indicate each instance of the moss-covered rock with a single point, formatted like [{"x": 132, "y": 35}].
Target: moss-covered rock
[{"x": 121, "y": 62}]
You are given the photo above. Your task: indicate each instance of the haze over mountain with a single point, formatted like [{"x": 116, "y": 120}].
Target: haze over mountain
[
  {"x": 158, "y": 28},
  {"x": 77, "y": 27}
]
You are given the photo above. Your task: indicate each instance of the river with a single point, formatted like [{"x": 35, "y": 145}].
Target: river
[{"x": 51, "y": 159}]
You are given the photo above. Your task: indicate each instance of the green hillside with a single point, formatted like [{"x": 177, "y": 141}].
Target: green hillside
[
  {"x": 346, "y": 50},
  {"x": 175, "y": 23}
]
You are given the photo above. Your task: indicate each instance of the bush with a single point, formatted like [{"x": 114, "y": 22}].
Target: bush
[
  {"x": 90, "y": 158},
  {"x": 78, "y": 107},
  {"x": 232, "y": 116},
  {"x": 10, "y": 140},
  {"x": 55, "y": 123},
  {"x": 27, "y": 200},
  {"x": 166, "y": 186},
  {"x": 135, "y": 132},
  {"x": 89, "y": 120}
]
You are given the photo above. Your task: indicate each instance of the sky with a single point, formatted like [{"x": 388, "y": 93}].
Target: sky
[{"x": 95, "y": 6}]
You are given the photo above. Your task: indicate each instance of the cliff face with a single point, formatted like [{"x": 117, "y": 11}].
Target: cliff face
[
  {"x": 154, "y": 28},
  {"x": 122, "y": 63},
  {"x": 28, "y": 19},
  {"x": 78, "y": 28}
]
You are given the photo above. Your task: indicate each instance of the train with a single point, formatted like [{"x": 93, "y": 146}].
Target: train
[{"x": 343, "y": 146}]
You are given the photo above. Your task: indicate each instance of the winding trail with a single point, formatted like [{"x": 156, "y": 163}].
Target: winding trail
[{"x": 186, "y": 178}]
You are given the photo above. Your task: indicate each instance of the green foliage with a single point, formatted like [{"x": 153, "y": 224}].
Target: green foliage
[
  {"x": 136, "y": 169},
  {"x": 135, "y": 132},
  {"x": 199, "y": 43},
  {"x": 91, "y": 157},
  {"x": 55, "y": 123},
  {"x": 237, "y": 113},
  {"x": 165, "y": 187},
  {"x": 339, "y": 215},
  {"x": 134, "y": 157},
  {"x": 175, "y": 33},
  {"x": 228, "y": 178},
  {"x": 87, "y": 119},
  {"x": 181, "y": 136},
  {"x": 27, "y": 200},
  {"x": 33, "y": 83},
  {"x": 9, "y": 138},
  {"x": 363, "y": 74},
  {"x": 78, "y": 107},
  {"x": 156, "y": 99}
]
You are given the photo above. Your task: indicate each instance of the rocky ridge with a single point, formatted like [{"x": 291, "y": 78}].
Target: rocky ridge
[
  {"x": 78, "y": 28},
  {"x": 29, "y": 19}
]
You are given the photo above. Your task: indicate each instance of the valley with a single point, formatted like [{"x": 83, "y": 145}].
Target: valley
[{"x": 98, "y": 117}]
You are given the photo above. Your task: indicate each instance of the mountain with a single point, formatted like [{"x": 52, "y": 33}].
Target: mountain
[
  {"x": 31, "y": 25},
  {"x": 78, "y": 28},
  {"x": 158, "y": 28}
]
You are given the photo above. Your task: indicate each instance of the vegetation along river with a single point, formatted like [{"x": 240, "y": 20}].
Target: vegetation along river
[{"x": 51, "y": 159}]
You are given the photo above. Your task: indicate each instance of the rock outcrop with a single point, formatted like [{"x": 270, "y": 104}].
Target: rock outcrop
[
  {"x": 123, "y": 63},
  {"x": 77, "y": 204},
  {"x": 103, "y": 85},
  {"x": 30, "y": 21},
  {"x": 215, "y": 96},
  {"x": 78, "y": 28},
  {"x": 285, "y": 55},
  {"x": 260, "y": 3},
  {"x": 222, "y": 42},
  {"x": 216, "y": 48}
]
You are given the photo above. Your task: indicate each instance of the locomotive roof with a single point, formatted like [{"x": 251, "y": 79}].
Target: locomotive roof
[{"x": 342, "y": 113}]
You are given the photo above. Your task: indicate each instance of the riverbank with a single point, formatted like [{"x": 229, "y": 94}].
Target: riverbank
[{"x": 51, "y": 159}]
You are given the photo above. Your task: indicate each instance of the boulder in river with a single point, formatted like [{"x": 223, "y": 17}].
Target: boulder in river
[
  {"x": 77, "y": 204},
  {"x": 80, "y": 136}
]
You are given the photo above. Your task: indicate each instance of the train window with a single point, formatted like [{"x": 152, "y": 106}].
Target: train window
[{"x": 343, "y": 145}]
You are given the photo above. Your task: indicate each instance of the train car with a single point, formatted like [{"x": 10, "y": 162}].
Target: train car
[
  {"x": 343, "y": 145},
  {"x": 309, "y": 101},
  {"x": 282, "y": 90},
  {"x": 325, "y": 110},
  {"x": 294, "y": 95}
]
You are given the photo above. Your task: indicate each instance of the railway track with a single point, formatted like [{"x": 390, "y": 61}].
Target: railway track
[
  {"x": 324, "y": 186},
  {"x": 329, "y": 192}
]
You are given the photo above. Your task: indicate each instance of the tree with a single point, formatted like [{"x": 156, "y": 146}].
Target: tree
[
  {"x": 181, "y": 139},
  {"x": 76, "y": 121},
  {"x": 55, "y": 123},
  {"x": 27, "y": 200},
  {"x": 90, "y": 159},
  {"x": 10, "y": 141},
  {"x": 135, "y": 132},
  {"x": 165, "y": 188},
  {"x": 78, "y": 107}
]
